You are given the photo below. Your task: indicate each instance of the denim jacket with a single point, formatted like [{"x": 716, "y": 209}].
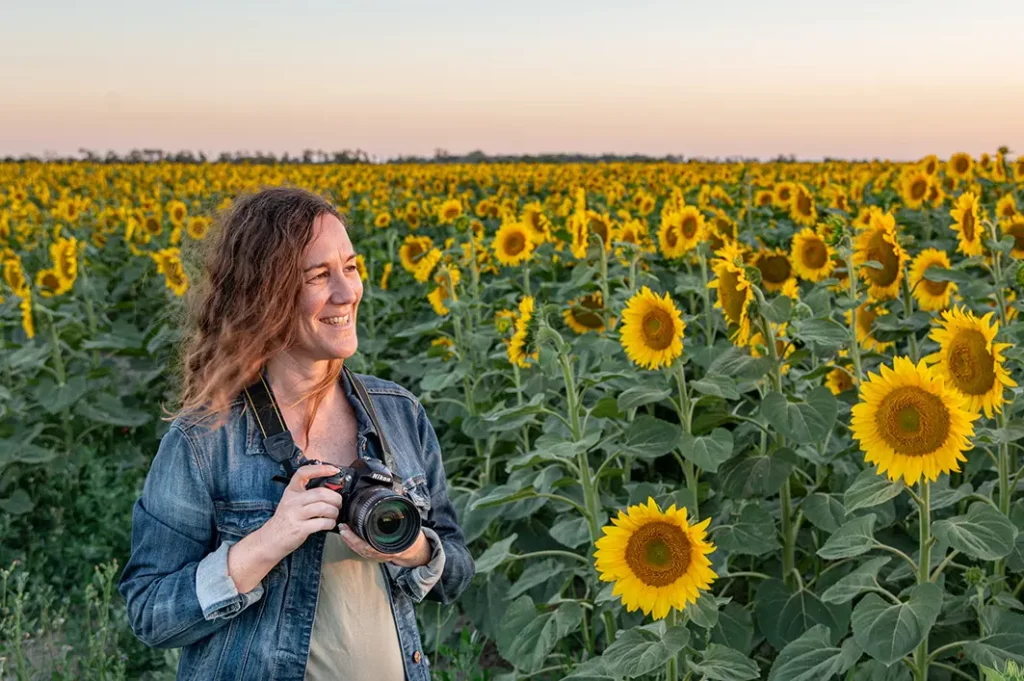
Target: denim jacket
[{"x": 207, "y": 488}]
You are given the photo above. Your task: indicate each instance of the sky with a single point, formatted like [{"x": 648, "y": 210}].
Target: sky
[{"x": 895, "y": 79}]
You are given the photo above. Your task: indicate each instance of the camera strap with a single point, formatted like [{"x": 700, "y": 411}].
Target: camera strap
[{"x": 277, "y": 440}]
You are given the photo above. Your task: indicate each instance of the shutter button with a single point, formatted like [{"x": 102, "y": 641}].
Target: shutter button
[{"x": 416, "y": 657}]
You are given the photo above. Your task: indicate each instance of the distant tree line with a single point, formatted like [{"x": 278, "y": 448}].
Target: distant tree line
[{"x": 358, "y": 156}]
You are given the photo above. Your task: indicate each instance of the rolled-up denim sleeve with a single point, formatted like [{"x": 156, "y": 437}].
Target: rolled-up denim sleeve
[
  {"x": 175, "y": 583},
  {"x": 450, "y": 558}
]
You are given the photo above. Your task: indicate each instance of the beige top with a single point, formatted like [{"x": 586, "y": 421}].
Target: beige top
[{"x": 354, "y": 634}]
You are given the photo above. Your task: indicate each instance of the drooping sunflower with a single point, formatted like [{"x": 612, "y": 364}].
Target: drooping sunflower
[
  {"x": 866, "y": 316},
  {"x": 734, "y": 292},
  {"x": 513, "y": 243},
  {"x": 442, "y": 291},
  {"x": 386, "y": 275},
  {"x": 910, "y": 423},
  {"x": 811, "y": 255},
  {"x": 878, "y": 243},
  {"x": 425, "y": 265},
  {"x": 967, "y": 228},
  {"x": 681, "y": 231},
  {"x": 839, "y": 381},
  {"x": 775, "y": 268},
  {"x": 1015, "y": 228},
  {"x": 656, "y": 559},
  {"x": 652, "y": 329},
  {"x": 914, "y": 187},
  {"x": 520, "y": 349},
  {"x": 970, "y": 360},
  {"x": 585, "y": 314},
  {"x": 50, "y": 283},
  {"x": 930, "y": 295},
  {"x": 602, "y": 225}
]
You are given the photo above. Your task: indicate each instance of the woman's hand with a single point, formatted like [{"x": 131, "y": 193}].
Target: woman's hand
[
  {"x": 301, "y": 511},
  {"x": 414, "y": 556}
]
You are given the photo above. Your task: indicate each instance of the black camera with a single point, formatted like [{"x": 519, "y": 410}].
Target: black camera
[{"x": 373, "y": 504}]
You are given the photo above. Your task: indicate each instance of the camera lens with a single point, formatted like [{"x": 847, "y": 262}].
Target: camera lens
[{"x": 385, "y": 520}]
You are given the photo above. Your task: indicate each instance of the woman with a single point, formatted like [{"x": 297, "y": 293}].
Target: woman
[{"x": 230, "y": 558}]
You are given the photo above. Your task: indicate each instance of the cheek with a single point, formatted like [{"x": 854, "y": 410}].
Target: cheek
[{"x": 310, "y": 303}]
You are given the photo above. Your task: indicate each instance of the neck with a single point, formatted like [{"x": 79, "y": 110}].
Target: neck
[{"x": 291, "y": 378}]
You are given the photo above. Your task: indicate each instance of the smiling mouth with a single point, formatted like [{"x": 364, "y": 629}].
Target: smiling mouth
[{"x": 342, "y": 320}]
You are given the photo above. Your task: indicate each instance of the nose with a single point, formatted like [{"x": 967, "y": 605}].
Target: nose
[{"x": 344, "y": 291}]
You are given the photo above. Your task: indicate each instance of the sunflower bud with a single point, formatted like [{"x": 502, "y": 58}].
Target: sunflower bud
[
  {"x": 1020, "y": 277},
  {"x": 835, "y": 229},
  {"x": 974, "y": 576}
]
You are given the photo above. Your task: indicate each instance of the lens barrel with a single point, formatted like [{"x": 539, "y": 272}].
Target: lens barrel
[{"x": 384, "y": 519}]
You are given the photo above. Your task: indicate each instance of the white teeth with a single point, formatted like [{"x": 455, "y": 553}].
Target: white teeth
[{"x": 337, "y": 321}]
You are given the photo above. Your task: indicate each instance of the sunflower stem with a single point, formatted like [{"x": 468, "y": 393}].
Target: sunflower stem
[
  {"x": 908, "y": 310},
  {"x": 851, "y": 274},
  {"x": 604, "y": 282},
  {"x": 671, "y": 668},
  {"x": 923, "y": 571},
  {"x": 526, "y": 278},
  {"x": 709, "y": 323},
  {"x": 591, "y": 498},
  {"x": 1005, "y": 489},
  {"x": 690, "y": 472}
]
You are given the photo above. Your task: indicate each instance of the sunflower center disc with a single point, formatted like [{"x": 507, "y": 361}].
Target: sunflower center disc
[
  {"x": 774, "y": 268},
  {"x": 587, "y": 314},
  {"x": 1016, "y": 230},
  {"x": 803, "y": 203},
  {"x": 732, "y": 297},
  {"x": 815, "y": 254},
  {"x": 934, "y": 288},
  {"x": 884, "y": 252},
  {"x": 912, "y": 421},
  {"x": 689, "y": 227},
  {"x": 657, "y": 329},
  {"x": 968, "y": 225},
  {"x": 918, "y": 189},
  {"x": 972, "y": 367},
  {"x": 658, "y": 553},
  {"x": 515, "y": 244}
]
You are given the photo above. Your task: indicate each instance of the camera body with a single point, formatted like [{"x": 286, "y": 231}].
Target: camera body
[{"x": 374, "y": 504}]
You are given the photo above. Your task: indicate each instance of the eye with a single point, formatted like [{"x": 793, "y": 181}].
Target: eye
[
  {"x": 322, "y": 275},
  {"x": 351, "y": 268}
]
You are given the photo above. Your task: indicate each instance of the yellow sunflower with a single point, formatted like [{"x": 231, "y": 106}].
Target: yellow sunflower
[
  {"x": 1006, "y": 207},
  {"x": 734, "y": 292},
  {"x": 960, "y": 166},
  {"x": 386, "y": 276},
  {"x": 878, "y": 243},
  {"x": 198, "y": 227},
  {"x": 784, "y": 194},
  {"x": 764, "y": 198},
  {"x": 412, "y": 250},
  {"x": 657, "y": 559},
  {"x": 914, "y": 187},
  {"x": 801, "y": 207},
  {"x": 652, "y": 329},
  {"x": 50, "y": 283},
  {"x": 811, "y": 255},
  {"x": 382, "y": 220},
  {"x": 177, "y": 211},
  {"x": 601, "y": 225},
  {"x": 930, "y": 295},
  {"x": 775, "y": 268},
  {"x": 1015, "y": 228},
  {"x": 967, "y": 227},
  {"x": 522, "y": 340},
  {"x": 910, "y": 424},
  {"x": 449, "y": 210},
  {"x": 584, "y": 314},
  {"x": 425, "y": 265},
  {"x": 513, "y": 243},
  {"x": 970, "y": 360},
  {"x": 839, "y": 381},
  {"x": 681, "y": 231},
  {"x": 866, "y": 316},
  {"x": 27, "y": 322}
]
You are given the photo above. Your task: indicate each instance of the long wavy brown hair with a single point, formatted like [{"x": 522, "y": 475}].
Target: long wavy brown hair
[{"x": 243, "y": 310}]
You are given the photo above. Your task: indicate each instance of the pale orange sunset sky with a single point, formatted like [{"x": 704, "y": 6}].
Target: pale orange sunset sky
[{"x": 897, "y": 79}]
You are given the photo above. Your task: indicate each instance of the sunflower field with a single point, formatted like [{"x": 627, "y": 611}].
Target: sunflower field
[{"x": 723, "y": 421}]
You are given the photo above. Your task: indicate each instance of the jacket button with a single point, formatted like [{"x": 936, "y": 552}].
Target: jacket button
[
  {"x": 416, "y": 657},
  {"x": 364, "y": 445}
]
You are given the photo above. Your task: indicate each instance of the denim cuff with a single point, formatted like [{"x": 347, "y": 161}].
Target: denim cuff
[
  {"x": 418, "y": 581},
  {"x": 218, "y": 596}
]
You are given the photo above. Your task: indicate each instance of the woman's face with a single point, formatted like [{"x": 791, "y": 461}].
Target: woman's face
[{"x": 331, "y": 292}]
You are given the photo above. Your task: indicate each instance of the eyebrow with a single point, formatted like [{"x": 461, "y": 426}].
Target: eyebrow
[{"x": 324, "y": 264}]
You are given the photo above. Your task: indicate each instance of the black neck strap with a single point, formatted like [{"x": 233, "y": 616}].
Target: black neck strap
[{"x": 277, "y": 440}]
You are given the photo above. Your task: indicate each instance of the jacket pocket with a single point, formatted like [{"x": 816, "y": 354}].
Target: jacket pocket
[
  {"x": 238, "y": 519},
  {"x": 418, "y": 492}
]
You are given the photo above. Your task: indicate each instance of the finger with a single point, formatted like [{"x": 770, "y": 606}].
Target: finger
[
  {"x": 318, "y": 525},
  {"x": 358, "y": 545},
  {"x": 319, "y": 510},
  {"x": 320, "y": 495},
  {"x": 307, "y": 473}
]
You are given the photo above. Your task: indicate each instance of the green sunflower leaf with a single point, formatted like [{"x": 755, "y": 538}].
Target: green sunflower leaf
[
  {"x": 806, "y": 421},
  {"x": 722, "y": 663},
  {"x": 812, "y": 657},
  {"x": 854, "y": 538},
  {"x": 888, "y": 631},
  {"x": 983, "y": 533}
]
